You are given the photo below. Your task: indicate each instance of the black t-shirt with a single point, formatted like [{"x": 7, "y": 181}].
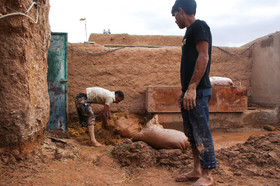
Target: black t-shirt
[{"x": 198, "y": 31}]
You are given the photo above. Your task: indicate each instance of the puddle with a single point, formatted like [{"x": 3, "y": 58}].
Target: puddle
[{"x": 224, "y": 140}]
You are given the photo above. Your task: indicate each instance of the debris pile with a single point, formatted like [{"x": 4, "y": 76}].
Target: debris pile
[
  {"x": 140, "y": 154},
  {"x": 258, "y": 156}
]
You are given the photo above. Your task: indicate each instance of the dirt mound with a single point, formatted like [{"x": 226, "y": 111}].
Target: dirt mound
[
  {"x": 140, "y": 154},
  {"x": 109, "y": 135},
  {"x": 258, "y": 156},
  {"x": 69, "y": 162},
  {"x": 80, "y": 134}
]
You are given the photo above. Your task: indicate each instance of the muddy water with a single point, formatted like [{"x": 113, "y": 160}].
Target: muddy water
[{"x": 224, "y": 140}]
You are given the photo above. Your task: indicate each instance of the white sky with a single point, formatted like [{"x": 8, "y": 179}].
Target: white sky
[{"x": 232, "y": 22}]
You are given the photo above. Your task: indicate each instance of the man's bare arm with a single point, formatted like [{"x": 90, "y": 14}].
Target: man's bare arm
[{"x": 107, "y": 112}]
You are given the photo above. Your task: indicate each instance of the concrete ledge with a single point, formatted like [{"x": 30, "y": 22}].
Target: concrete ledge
[
  {"x": 259, "y": 118},
  {"x": 226, "y": 121}
]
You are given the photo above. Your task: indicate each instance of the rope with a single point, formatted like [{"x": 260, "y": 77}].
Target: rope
[
  {"x": 24, "y": 14},
  {"x": 236, "y": 54},
  {"x": 94, "y": 54}
]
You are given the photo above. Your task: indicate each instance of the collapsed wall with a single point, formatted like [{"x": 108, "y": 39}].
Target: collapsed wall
[{"x": 24, "y": 101}]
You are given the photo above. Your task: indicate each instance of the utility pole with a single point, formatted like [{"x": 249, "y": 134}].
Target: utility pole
[{"x": 84, "y": 19}]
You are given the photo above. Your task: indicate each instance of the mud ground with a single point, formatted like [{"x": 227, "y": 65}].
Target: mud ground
[{"x": 242, "y": 160}]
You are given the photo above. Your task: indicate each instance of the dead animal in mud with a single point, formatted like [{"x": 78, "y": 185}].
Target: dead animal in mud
[{"x": 158, "y": 137}]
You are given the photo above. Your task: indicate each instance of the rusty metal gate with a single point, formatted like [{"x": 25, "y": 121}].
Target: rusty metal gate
[{"x": 57, "y": 81}]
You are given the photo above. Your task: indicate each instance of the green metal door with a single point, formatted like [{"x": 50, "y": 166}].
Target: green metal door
[{"x": 57, "y": 81}]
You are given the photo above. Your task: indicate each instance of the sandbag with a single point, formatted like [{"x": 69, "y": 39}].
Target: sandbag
[
  {"x": 158, "y": 137},
  {"x": 127, "y": 127},
  {"x": 221, "y": 81}
]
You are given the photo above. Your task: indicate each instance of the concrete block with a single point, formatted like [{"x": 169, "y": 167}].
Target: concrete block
[
  {"x": 216, "y": 120},
  {"x": 228, "y": 99},
  {"x": 162, "y": 99},
  {"x": 227, "y": 120},
  {"x": 224, "y": 99},
  {"x": 259, "y": 118}
]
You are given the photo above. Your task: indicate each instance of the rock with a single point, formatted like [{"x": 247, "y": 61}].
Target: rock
[
  {"x": 269, "y": 128},
  {"x": 12, "y": 160},
  {"x": 237, "y": 174},
  {"x": 5, "y": 159},
  {"x": 58, "y": 154}
]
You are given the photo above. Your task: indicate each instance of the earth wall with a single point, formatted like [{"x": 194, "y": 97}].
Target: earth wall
[
  {"x": 133, "y": 68},
  {"x": 24, "y": 101},
  {"x": 139, "y": 40}
]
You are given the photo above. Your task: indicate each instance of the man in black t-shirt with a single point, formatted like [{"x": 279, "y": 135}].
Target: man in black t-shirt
[{"x": 196, "y": 90}]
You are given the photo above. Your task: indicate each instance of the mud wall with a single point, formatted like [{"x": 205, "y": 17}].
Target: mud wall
[
  {"x": 128, "y": 69},
  {"x": 265, "y": 70},
  {"x": 234, "y": 63},
  {"x": 133, "y": 69},
  {"x": 139, "y": 40},
  {"x": 24, "y": 102}
]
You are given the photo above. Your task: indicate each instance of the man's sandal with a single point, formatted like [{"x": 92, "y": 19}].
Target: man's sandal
[{"x": 185, "y": 177}]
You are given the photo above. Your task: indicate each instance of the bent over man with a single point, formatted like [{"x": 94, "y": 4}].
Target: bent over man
[
  {"x": 95, "y": 95},
  {"x": 196, "y": 90}
]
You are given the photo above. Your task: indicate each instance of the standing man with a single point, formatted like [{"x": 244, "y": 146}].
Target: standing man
[
  {"x": 196, "y": 90},
  {"x": 95, "y": 95}
]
